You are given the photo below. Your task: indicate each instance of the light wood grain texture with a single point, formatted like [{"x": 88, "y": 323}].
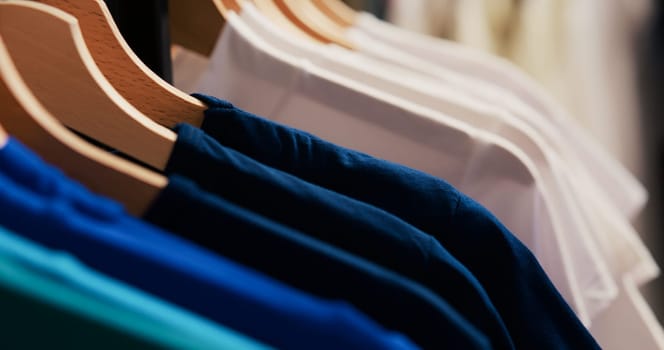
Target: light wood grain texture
[
  {"x": 270, "y": 10},
  {"x": 144, "y": 89},
  {"x": 310, "y": 19},
  {"x": 196, "y": 25},
  {"x": 337, "y": 11},
  {"x": 49, "y": 52},
  {"x": 26, "y": 119}
]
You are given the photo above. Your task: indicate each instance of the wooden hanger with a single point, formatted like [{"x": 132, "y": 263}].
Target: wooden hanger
[
  {"x": 49, "y": 51},
  {"x": 308, "y": 18},
  {"x": 26, "y": 119},
  {"x": 196, "y": 25},
  {"x": 337, "y": 11},
  {"x": 139, "y": 85},
  {"x": 270, "y": 10}
]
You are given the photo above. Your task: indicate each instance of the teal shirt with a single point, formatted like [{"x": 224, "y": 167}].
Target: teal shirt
[{"x": 50, "y": 300}]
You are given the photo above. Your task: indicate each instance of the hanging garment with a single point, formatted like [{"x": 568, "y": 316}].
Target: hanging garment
[
  {"x": 639, "y": 260},
  {"x": 372, "y": 233},
  {"x": 628, "y": 259},
  {"x": 61, "y": 280},
  {"x": 587, "y": 223},
  {"x": 571, "y": 141},
  {"x": 616, "y": 239},
  {"x": 478, "y": 89},
  {"x": 301, "y": 95},
  {"x": 581, "y": 52},
  {"x": 281, "y": 252},
  {"x": 59, "y": 316},
  {"x": 101, "y": 235},
  {"x": 422, "y": 200}
]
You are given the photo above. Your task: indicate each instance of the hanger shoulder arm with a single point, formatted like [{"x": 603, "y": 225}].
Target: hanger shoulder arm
[
  {"x": 139, "y": 85},
  {"x": 26, "y": 119},
  {"x": 49, "y": 52}
]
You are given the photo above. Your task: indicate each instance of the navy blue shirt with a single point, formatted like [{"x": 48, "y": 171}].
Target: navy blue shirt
[
  {"x": 535, "y": 314},
  {"x": 41, "y": 204},
  {"x": 354, "y": 226},
  {"x": 312, "y": 266}
]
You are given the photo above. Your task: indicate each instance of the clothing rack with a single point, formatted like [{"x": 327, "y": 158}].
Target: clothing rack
[
  {"x": 144, "y": 25},
  {"x": 451, "y": 177}
]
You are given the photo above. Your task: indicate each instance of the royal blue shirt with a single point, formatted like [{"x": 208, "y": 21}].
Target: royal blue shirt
[
  {"x": 41, "y": 204},
  {"x": 535, "y": 314}
]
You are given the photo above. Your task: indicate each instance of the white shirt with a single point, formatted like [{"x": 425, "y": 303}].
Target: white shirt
[
  {"x": 481, "y": 91},
  {"x": 628, "y": 322},
  {"x": 582, "y": 52},
  {"x": 637, "y": 260},
  {"x": 570, "y": 140},
  {"x": 595, "y": 279}
]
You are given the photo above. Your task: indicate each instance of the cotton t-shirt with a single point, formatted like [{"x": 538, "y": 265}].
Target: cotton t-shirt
[
  {"x": 620, "y": 195},
  {"x": 622, "y": 188},
  {"x": 344, "y": 222},
  {"x": 483, "y": 165},
  {"x": 59, "y": 279},
  {"x": 500, "y": 263},
  {"x": 39, "y": 313},
  {"x": 311, "y": 265},
  {"x": 575, "y": 206},
  {"x": 100, "y": 234}
]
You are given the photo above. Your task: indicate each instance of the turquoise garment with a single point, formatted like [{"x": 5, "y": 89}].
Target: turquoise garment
[{"x": 58, "y": 279}]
